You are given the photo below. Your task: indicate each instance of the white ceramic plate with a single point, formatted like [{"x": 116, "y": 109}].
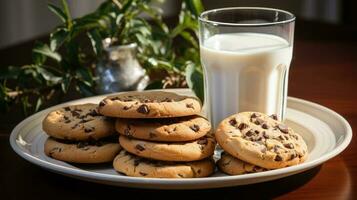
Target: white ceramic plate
[{"x": 326, "y": 133}]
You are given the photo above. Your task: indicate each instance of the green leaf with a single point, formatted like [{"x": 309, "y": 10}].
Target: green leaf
[
  {"x": 4, "y": 98},
  {"x": 85, "y": 75},
  {"x": 65, "y": 84},
  {"x": 57, "y": 38},
  {"x": 85, "y": 89},
  {"x": 58, "y": 11},
  {"x": 10, "y": 72},
  {"x": 38, "y": 104},
  {"x": 25, "y": 105},
  {"x": 194, "y": 80},
  {"x": 72, "y": 53},
  {"x": 49, "y": 76},
  {"x": 38, "y": 58},
  {"x": 45, "y": 50},
  {"x": 67, "y": 13},
  {"x": 195, "y": 6},
  {"x": 188, "y": 37},
  {"x": 96, "y": 41}
]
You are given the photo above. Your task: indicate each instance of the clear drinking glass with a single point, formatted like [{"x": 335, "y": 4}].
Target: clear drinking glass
[{"x": 246, "y": 54}]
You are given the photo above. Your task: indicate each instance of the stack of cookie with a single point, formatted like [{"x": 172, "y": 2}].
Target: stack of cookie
[
  {"x": 162, "y": 135},
  {"x": 79, "y": 134},
  {"x": 256, "y": 142}
]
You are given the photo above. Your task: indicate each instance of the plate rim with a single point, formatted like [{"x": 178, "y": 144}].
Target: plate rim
[{"x": 79, "y": 173}]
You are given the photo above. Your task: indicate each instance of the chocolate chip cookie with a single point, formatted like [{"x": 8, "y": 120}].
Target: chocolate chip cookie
[
  {"x": 78, "y": 123},
  {"x": 167, "y": 129},
  {"x": 175, "y": 151},
  {"x": 149, "y": 104},
  {"x": 261, "y": 140},
  {"x": 132, "y": 165},
  {"x": 81, "y": 152},
  {"x": 233, "y": 166}
]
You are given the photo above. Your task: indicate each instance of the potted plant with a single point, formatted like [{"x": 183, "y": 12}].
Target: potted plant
[{"x": 70, "y": 59}]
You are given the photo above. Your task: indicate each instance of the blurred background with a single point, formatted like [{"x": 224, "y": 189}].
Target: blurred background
[{"x": 24, "y": 20}]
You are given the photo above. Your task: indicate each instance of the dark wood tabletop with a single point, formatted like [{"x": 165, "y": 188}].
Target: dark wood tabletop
[{"x": 323, "y": 70}]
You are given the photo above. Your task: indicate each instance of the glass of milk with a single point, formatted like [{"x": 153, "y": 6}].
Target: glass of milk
[{"x": 246, "y": 54}]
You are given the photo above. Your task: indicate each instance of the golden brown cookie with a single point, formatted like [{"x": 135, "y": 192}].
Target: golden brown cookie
[
  {"x": 78, "y": 123},
  {"x": 167, "y": 129},
  {"x": 261, "y": 140},
  {"x": 149, "y": 104},
  {"x": 233, "y": 166},
  {"x": 132, "y": 165},
  {"x": 81, "y": 152},
  {"x": 175, "y": 151}
]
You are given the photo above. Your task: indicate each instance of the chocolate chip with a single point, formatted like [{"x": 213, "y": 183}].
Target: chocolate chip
[
  {"x": 148, "y": 101},
  {"x": 233, "y": 122},
  {"x": 256, "y": 131},
  {"x": 195, "y": 127},
  {"x": 152, "y": 135},
  {"x": 278, "y": 158},
  {"x": 139, "y": 147},
  {"x": 67, "y": 108},
  {"x": 265, "y": 135},
  {"x": 281, "y": 137},
  {"x": 75, "y": 113},
  {"x": 243, "y": 126},
  {"x": 168, "y": 100},
  {"x": 274, "y": 116},
  {"x": 289, "y": 146},
  {"x": 127, "y": 107},
  {"x": 93, "y": 113},
  {"x": 259, "y": 121},
  {"x": 276, "y": 148},
  {"x": 102, "y": 103},
  {"x": 143, "y": 174},
  {"x": 58, "y": 149},
  {"x": 144, "y": 109},
  {"x": 180, "y": 175},
  {"x": 127, "y": 131},
  {"x": 114, "y": 98},
  {"x": 189, "y": 105},
  {"x": 202, "y": 141},
  {"x": 88, "y": 130},
  {"x": 85, "y": 120},
  {"x": 82, "y": 117},
  {"x": 254, "y": 115},
  {"x": 74, "y": 126},
  {"x": 265, "y": 126},
  {"x": 283, "y": 128},
  {"x": 292, "y": 156},
  {"x": 249, "y": 133}
]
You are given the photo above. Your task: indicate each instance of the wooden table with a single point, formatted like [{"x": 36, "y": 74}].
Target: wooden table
[{"x": 324, "y": 70}]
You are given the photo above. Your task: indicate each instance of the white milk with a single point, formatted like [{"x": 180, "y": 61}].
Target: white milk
[{"x": 245, "y": 72}]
